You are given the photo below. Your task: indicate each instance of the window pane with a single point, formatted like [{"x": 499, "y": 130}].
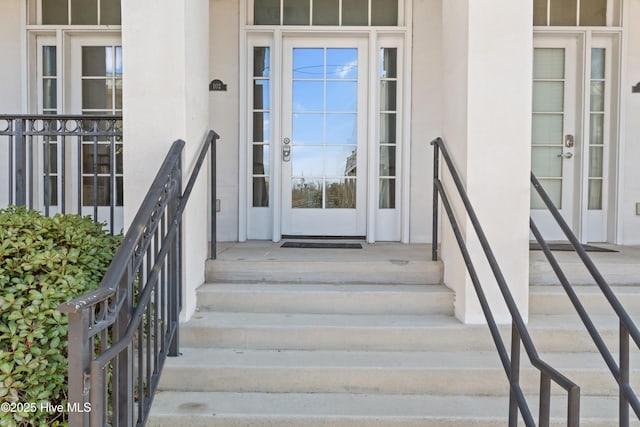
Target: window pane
[
  {"x": 597, "y": 63},
  {"x": 118, "y": 92},
  {"x": 548, "y": 63},
  {"x": 308, "y": 129},
  {"x": 340, "y": 160},
  {"x": 545, "y": 162},
  {"x": 96, "y": 95},
  {"x": 548, "y": 97},
  {"x": 539, "y": 12},
  {"x": 597, "y": 96},
  {"x": 306, "y": 193},
  {"x": 341, "y": 193},
  {"x": 260, "y": 159},
  {"x": 547, "y": 129},
  {"x": 595, "y": 194},
  {"x": 261, "y": 94},
  {"x": 388, "y": 63},
  {"x": 103, "y": 190},
  {"x": 342, "y": 96},
  {"x": 266, "y": 12},
  {"x": 261, "y": 60},
  {"x": 55, "y": 12},
  {"x": 387, "y": 161},
  {"x": 53, "y": 190},
  {"x": 553, "y": 188},
  {"x": 84, "y": 12},
  {"x": 384, "y": 12},
  {"x": 95, "y": 60},
  {"x": 308, "y": 63},
  {"x": 296, "y": 12},
  {"x": 110, "y": 12},
  {"x": 326, "y": 12},
  {"x": 563, "y": 12},
  {"x": 308, "y": 96},
  {"x": 593, "y": 12},
  {"x": 49, "y": 61},
  {"x": 342, "y": 64},
  {"x": 355, "y": 12},
  {"x": 387, "y": 193},
  {"x": 595, "y": 162},
  {"x": 388, "y": 95},
  {"x": 341, "y": 129},
  {"x": 307, "y": 161},
  {"x": 103, "y": 160},
  {"x": 260, "y": 127},
  {"x": 596, "y": 129},
  {"x": 260, "y": 192},
  {"x": 49, "y": 94},
  {"x": 388, "y": 128}
]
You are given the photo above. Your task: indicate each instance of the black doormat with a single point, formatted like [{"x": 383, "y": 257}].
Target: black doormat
[
  {"x": 568, "y": 247},
  {"x": 321, "y": 245}
]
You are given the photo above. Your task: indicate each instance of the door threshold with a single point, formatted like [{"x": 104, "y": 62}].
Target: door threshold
[{"x": 316, "y": 237}]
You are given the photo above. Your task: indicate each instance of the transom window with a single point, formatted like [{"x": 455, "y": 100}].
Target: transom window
[
  {"x": 572, "y": 13},
  {"x": 326, "y": 12},
  {"x": 75, "y": 12}
]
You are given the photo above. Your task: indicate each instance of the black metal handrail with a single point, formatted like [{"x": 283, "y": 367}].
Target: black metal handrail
[
  {"x": 44, "y": 151},
  {"x": 519, "y": 331},
  {"x": 121, "y": 333},
  {"x": 621, "y": 372}
]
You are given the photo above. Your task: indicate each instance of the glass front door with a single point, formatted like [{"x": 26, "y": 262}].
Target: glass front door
[
  {"x": 324, "y": 138},
  {"x": 555, "y": 141}
]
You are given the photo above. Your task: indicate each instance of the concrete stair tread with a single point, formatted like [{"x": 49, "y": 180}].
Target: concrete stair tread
[
  {"x": 311, "y": 287},
  {"x": 306, "y": 320},
  {"x": 296, "y": 409},
  {"x": 200, "y": 358}
]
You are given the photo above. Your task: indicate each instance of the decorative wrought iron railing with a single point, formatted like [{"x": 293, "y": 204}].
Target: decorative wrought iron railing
[
  {"x": 121, "y": 333},
  {"x": 519, "y": 334},
  {"x": 63, "y": 163},
  {"x": 621, "y": 371}
]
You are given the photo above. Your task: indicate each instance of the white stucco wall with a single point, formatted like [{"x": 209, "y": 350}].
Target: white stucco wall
[
  {"x": 426, "y": 114},
  {"x": 11, "y": 71},
  {"x": 629, "y": 229},
  {"x": 224, "y": 107},
  {"x": 165, "y": 57},
  {"x": 487, "y": 124}
]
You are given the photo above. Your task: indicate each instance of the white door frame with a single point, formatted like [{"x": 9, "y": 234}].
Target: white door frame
[
  {"x": 590, "y": 225},
  {"x": 265, "y": 223}
]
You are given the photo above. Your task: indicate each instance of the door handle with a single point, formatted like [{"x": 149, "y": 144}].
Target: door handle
[
  {"x": 566, "y": 155},
  {"x": 286, "y": 153}
]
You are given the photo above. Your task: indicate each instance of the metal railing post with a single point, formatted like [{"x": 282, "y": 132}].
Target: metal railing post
[
  {"x": 624, "y": 374},
  {"x": 21, "y": 163},
  {"x": 214, "y": 202},
  {"x": 436, "y": 177},
  {"x": 79, "y": 362},
  {"x": 515, "y": 375}
]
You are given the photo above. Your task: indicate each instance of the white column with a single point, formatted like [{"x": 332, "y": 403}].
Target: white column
[
  {"x": 487, "y": 62},
  {"x": 166, "y": 67}
]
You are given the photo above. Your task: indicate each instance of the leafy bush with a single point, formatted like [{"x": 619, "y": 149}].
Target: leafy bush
[{"x": 43, "y": 263}]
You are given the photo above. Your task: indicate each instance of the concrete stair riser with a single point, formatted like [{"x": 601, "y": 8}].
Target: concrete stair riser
[
  {"x": 330, "y": 299},
  {"x": 391, "y": 271}
]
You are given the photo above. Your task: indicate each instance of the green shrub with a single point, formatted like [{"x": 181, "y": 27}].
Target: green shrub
[{"x": 43, "y": 263}]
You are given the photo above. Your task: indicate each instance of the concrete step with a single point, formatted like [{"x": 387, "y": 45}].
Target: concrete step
[
  {"x": 618, "y": 268},
  {"x": 552, "y": 299},
  {"x": 294, "y": 331},
  {"x": 362, "y": 372},
  {"x": 219, "y": 409},
  {"x": 343, "y": 270},
  {"x": 325, "y": 298}
]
